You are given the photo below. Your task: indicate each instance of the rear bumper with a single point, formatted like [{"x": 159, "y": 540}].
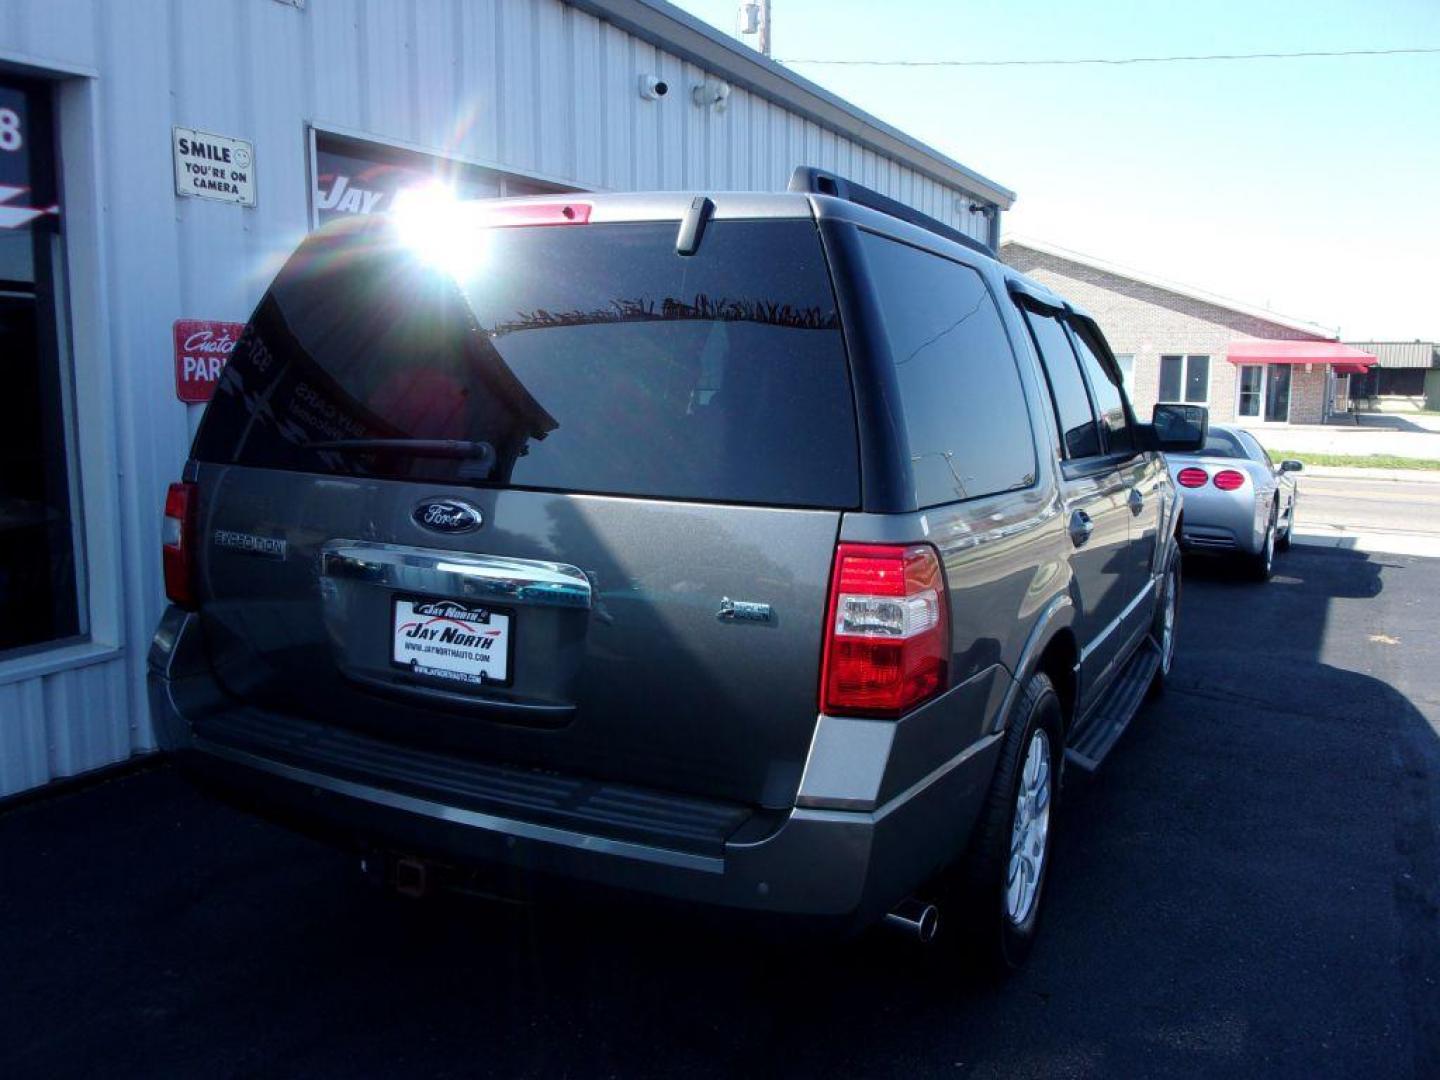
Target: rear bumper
[
  {"x": 1222, "y": 521},
  {"x": 842, "y": 867}
]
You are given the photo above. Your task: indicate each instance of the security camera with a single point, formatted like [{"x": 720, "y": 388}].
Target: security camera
[
  {"x": 653, "y": 88},
  {"x": 711, "y": 92}
]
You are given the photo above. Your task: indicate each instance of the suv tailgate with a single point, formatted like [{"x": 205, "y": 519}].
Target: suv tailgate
[{"x": 658, "y": 449}]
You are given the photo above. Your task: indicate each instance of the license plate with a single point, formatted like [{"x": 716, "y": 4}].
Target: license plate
[{"x": 453, "y": 642}]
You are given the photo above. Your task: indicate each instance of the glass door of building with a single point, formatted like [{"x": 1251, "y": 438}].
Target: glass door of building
[
  {"x": 40, "y": 564},
  {"x": 1252, "y": 391},
  {"x": 1263, "y": 393},
  {"x": 1277, "y": 393}
]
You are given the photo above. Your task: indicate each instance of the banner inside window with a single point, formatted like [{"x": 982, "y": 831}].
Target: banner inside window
[{"x": 357, "y": 177}]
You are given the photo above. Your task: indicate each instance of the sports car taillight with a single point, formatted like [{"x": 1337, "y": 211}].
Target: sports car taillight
[
  {"x": 177, "y": 542},
  {"x": 1229, "y": 479},
  {"x": 887, "y": 639},
  {"x": 1192, "y": 477}
]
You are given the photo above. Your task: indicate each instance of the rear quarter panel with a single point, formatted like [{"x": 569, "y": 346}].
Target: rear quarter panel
[{"x": 1006, "y": 561}]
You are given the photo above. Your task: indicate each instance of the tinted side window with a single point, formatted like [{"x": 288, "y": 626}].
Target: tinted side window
[
  {"x": 960, "y": 391},
  {"x": 1108, "y": 400},
  {"x": 1078, "y": 429}
]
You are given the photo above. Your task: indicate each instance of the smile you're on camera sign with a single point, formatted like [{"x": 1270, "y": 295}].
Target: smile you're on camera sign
[{"x": 214, "y": 167}]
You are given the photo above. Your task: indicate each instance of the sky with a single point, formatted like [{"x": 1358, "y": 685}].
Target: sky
[{"x": 1310, "y": 187}]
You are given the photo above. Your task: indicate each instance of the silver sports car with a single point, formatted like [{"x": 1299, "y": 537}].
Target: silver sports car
[{"x": 1237, "y": 501}]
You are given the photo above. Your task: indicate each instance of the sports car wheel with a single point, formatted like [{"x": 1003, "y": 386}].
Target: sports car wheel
[
  {"x": 1260, "y": 565},
  {"x": 1282, "y": 542}
]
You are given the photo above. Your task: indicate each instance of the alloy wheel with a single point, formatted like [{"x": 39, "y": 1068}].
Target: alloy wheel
[
  {"x": 1167, "y": 625},
  {"x": 1030, "y": 831}
]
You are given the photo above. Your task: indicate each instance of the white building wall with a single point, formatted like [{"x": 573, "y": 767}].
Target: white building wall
[{"x": 525, "y": 86}]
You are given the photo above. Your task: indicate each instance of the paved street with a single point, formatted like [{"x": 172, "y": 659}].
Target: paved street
[
  {"x": 1372, "y": 514},
  {"x": 1249, "y": 888}
]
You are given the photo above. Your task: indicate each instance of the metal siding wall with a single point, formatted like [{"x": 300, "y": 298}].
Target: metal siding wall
[{"x": 533, "y": 86}]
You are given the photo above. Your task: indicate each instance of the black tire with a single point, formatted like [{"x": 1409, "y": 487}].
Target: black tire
[
  {"x": 1282, "y": 542},
  {"x": 976, "y": 917},
  {"x": 1258, "y": 567},
  {"x": 1169, "y": 589}
]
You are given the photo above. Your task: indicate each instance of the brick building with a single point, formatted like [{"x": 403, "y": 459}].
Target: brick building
[{"x": 1178, "y": 344}]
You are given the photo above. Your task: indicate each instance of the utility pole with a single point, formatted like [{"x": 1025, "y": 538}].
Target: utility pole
[{"x": 754, "y": 18}]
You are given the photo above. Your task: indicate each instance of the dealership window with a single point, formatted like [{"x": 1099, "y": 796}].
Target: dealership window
[
  {"x": 40, "y": 557},
  {"x": 355, "y": 176},
  {"x": 1185, "y": 379}
]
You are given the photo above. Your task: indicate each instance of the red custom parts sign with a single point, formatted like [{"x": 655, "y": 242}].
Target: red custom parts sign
[{"x": 201, "y": 348}]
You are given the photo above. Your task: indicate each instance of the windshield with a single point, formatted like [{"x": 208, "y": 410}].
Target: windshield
[{"x": 590, "y": 358}]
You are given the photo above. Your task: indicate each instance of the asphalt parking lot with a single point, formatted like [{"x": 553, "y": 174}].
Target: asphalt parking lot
[{"x": 1249, "y": 888}]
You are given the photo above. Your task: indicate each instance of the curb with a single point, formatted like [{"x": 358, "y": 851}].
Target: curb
[
  {"x": 1423, "y": 545},
  {"x": 1345, "y": 472}
]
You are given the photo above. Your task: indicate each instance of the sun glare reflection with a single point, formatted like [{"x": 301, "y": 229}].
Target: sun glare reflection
[{"x": 443, "y": 230}]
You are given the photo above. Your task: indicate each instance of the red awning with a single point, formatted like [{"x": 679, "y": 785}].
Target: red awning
[
  {"x": 1297, "y": 352},
  {"x": 1351, "y": 369}
]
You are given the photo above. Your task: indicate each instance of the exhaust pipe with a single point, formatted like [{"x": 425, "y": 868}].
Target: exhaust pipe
[{"x": 915, "y": 919}]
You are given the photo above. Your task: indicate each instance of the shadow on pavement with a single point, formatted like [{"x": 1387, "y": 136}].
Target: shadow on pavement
[
  {"x": 1247, "y": 888},
  {"x": 1392, "y": 422}
]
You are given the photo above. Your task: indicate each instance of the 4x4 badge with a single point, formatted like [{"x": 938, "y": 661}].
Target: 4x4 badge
[
  {"x": 447, "y": 516},
  {"x": 743, "y": 611}
]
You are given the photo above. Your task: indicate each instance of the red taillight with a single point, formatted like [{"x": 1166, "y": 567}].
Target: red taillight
[
  {"x": 1229, "y": 480},
  {"x": 1192, "y": 477},
  {"x": 887, "y": 638},
  {"x": 177, "y": 542}
]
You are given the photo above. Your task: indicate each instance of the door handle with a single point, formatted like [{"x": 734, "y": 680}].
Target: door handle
[
  {"x": 1080, "y": 528},
  {"x": 1136, "y": 500}
]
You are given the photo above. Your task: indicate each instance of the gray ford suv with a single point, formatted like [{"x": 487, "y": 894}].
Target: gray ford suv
[{"x": 770, "y": 552}]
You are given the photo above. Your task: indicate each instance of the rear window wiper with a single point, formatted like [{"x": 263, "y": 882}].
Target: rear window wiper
[
  {"x": 441, "y": 448},
  {"x": 466, "y": 450}
]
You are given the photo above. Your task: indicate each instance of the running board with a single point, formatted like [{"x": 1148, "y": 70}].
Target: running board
[{"x": 1113, "y": 715}]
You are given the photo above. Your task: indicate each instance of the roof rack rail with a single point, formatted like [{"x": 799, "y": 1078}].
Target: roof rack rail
[{"x": 815, "y": 181}]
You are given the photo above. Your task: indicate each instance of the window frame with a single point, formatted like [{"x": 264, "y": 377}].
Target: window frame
[
  {"x": 50, "y": 244},
  {"x": 1080, "y": 326},
  {"x": 399, "y": 151},
  {"x": 84, "y": 315},
  {"x": 1184, "y": 359},
  {"x": 1029, "y": 306}
]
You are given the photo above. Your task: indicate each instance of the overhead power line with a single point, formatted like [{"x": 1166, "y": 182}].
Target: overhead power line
[{"x": 1117, "y": 61}]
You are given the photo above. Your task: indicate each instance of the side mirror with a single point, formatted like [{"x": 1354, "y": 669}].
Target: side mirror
[
  {"x": 1178, "y": 429},
  {"x": 1291, "y": 465}
]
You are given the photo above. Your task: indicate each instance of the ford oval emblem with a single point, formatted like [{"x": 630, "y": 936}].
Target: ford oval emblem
[{"x": 447, "y": 516}]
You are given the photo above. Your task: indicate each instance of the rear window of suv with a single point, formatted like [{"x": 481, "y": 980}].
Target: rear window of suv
[{"x": 591, "y": 358}]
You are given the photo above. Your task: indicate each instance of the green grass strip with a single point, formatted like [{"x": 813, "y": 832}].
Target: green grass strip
[{"x": 1355, "y": 461}]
